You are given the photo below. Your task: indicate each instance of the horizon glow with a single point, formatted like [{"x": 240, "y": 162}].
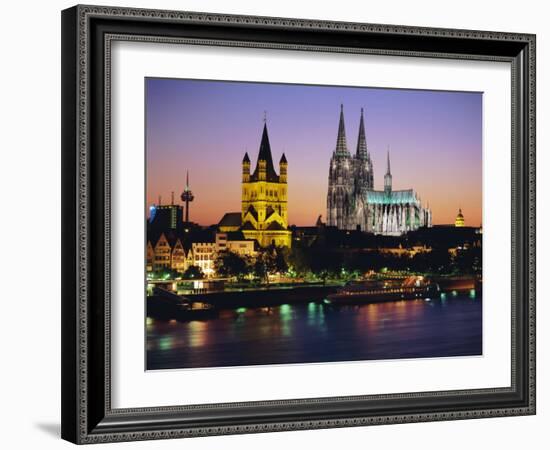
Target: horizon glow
[{"x": 434, "y": 138}]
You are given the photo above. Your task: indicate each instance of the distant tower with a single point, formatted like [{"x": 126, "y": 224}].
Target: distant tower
[
  {"x": 387, "y": 177},
  {"x": 187, "y": 197},
  {"x": 459, "y": 221}
]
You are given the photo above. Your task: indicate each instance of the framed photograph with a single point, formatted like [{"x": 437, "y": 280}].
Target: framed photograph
[{"x": 279, "y": 224}]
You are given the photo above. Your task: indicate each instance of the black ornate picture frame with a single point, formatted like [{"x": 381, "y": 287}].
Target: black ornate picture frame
[{"x": 87, "y": 34}]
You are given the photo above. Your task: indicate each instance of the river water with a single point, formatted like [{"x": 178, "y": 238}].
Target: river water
[{"x": 314, "y": 332}]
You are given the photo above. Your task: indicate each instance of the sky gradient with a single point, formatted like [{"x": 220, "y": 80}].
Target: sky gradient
[{"x": 434, "y": 137}]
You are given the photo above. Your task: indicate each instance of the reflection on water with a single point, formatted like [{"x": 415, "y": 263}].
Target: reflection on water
[{"x": 315, "y": 332}]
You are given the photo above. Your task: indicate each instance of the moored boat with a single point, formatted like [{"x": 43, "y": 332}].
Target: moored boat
[
  {"x": 167, "y": 305},
  {"x": 411, "y": 288}
]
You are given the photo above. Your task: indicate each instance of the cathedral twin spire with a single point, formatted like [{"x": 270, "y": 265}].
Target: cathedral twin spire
[
  {"x": 362, "y": 151},
  {"x": 341, "y": 143},
  {"x": 352, "y": 201}
]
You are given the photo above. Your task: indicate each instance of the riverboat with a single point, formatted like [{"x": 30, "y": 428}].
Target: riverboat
[
  {"x": 371, "y": 291},
  {"x": 164, "y": 304}
]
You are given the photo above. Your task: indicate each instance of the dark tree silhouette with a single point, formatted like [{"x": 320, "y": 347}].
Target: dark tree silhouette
[
  {"x": 231, "y": 264},
  {"x": 193, "y": 272}
]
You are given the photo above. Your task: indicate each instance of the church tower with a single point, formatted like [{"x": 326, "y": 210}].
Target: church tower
[
  {"x": 364, "y": 178},
  {"x": 246, "y": 168},
  {"x": 340, "y": 181},
  {"x": 264, "y": 214},
  {"x": 387, "y": 177}
]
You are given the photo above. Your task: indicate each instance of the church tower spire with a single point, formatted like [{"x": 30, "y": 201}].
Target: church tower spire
[
  {"x": 265, "y": 170},
  {"x": 362, "y": 151},
  {"x": 387, "y": 177},
  {"x": 341, "y": 144}
]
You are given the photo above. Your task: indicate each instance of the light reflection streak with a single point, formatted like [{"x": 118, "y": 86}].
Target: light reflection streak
[{"x": 197, "y": 334}]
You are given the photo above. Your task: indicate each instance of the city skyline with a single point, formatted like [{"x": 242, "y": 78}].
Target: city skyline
[{"x": 205, "y": 127}]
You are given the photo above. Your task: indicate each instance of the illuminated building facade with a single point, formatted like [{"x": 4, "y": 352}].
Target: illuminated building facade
[
  {"x": 235, "y": 242},
  {"x": 167, "y": 252},
  {"x": 410, "y": 252},
  {"x": 179, "y": 259},
  {"x": 264, "y": 215},
  {"x": 352, "y": 202},
  {"x": 204, "y": 256},
  {"x": 162, "y": 254}
]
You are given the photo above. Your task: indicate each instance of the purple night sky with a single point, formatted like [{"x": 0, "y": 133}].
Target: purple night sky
[{"x": 435, "y": 141}]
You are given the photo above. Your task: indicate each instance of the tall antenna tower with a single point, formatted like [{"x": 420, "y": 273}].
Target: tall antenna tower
[{"x": 187, "y": 197}]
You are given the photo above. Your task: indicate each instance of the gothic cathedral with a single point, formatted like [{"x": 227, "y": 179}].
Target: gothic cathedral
[{"x": 352, "y": 202}]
